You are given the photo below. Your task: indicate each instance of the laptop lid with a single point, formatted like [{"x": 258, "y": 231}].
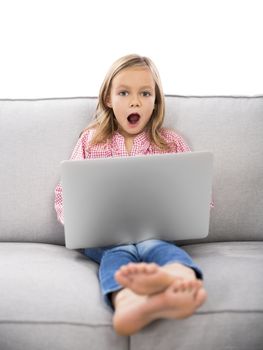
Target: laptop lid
[{"x": 110, "y": 201}]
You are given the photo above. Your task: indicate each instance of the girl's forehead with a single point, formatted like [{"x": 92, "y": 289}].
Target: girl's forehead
[{"x": 132, "y": 75}]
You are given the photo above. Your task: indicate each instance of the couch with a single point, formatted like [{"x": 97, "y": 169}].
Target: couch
[{"x": 50, "y": 296}]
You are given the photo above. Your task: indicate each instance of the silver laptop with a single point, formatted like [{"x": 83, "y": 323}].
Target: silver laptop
[{"x": 129, "y": 199}]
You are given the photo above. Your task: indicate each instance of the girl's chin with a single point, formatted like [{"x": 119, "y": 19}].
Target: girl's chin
[{"x": 132, "y": 129}]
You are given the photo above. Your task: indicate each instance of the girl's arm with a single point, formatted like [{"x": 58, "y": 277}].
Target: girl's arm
[
  {"x": 175, "y": 141},
  {"x": 79, "y": 153}
]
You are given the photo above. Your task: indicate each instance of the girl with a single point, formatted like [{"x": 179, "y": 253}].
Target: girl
[{"x": 152, "y": 279}]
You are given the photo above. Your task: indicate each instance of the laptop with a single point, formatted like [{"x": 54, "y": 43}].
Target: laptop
[{"x": 122, "y": 200}]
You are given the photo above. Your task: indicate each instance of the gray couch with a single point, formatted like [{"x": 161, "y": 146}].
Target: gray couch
[{"x": 50, "y": 297}]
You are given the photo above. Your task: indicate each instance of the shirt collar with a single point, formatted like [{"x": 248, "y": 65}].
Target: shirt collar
[{"x": 141, "y": 142}]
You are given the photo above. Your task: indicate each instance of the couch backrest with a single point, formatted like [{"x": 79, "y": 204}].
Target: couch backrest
[{"x": 35, "y": 135}]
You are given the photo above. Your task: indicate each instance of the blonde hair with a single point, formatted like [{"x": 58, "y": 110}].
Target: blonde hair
[{"x": 105, "y": 123}]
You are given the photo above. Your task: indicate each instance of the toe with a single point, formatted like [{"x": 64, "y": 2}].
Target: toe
[
  {"x": 152, "y": 267},
  {"x": 201, "y": 296},
  {"x": 124, "y": 270},
  {"x": 132, "y": 268}
]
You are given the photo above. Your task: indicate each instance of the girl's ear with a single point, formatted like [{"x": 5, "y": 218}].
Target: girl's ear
[{"x": 108, "y": 102}]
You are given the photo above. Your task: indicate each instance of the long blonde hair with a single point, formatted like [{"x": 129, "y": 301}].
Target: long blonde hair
[{"x": 105, "y": 123}]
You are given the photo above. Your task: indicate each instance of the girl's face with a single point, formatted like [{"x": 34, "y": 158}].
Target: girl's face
[{"x": 132, "y": 99}]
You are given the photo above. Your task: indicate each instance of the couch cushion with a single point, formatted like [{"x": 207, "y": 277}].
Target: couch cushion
[
  {"x": 35, "y": 136},
  {"x": 232, "y": 128},
  {"x": 50, "y": 299},
  {"x": 232, "y": 317}
]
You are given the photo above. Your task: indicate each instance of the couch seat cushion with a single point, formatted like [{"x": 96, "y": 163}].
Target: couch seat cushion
[
  {"x": 50, "y": 299},
  {"x": 232, "y": 317}
]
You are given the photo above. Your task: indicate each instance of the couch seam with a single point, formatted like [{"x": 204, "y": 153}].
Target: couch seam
[
  {"x": 199, "y": 313},
  {"x": 50, "y": 323},
  {"x": 95, "y": 97},
  {"x": 215, "y": 96},
  {"x": 229, "y": 311},
  {"x": 47, "y": 99}
]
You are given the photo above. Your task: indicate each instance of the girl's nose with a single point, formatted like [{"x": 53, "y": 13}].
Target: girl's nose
[{"x": 135, "y": 102}]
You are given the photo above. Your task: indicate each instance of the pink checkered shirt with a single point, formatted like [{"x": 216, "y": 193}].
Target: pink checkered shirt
[{"x": 116, "y": 148}]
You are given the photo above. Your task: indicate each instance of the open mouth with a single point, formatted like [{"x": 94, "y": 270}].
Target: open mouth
[{"x": 133, "y": 118}]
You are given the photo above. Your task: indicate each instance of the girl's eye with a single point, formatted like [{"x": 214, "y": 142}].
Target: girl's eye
[
  {"x": 123, "y": 93},
  {"x": 146, "y": 93}
]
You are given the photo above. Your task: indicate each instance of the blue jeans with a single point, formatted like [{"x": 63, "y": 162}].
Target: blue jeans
[{"x": 111, "y": 258}]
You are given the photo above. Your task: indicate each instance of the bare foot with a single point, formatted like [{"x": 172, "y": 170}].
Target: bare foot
[
  {"x": 145, "y": 278},
  {"x": 179, "y": 300}
]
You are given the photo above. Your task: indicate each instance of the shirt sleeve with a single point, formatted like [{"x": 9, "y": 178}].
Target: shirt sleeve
[
  {"x": 175, "y": 141},
  {"x": 181, "y": 145},
  {"x": 79, "y": 153}
]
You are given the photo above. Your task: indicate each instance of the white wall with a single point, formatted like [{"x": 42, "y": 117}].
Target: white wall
[{"x": 59, "y": 48}]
